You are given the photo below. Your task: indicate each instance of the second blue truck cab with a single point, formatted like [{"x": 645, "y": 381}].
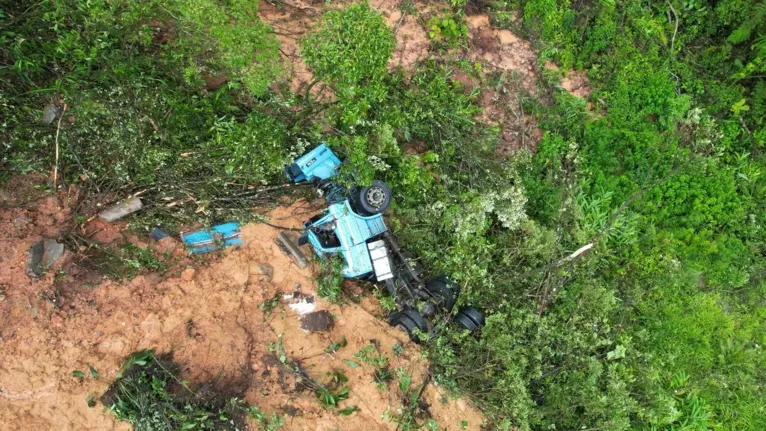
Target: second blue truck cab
[{"x": 318, "y": 164}]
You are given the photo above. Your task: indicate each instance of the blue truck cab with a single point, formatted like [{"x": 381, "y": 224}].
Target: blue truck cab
[
  {"x": 352, "y": 226},
  {"x": 318, "y": 164},
  {"x": 341, "y": 231}
]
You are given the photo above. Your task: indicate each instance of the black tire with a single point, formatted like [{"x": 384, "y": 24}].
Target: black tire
[
  {"x": 403, "y": 322},
  {"x": 444, "y": 289},
  {"x": 409, "y": 319},
  {"x": 473, "y": 314},
  {"x": 466, "y": 323},
  {"x": 373, "y": 199},
  {"x": 416, "y": 317}
]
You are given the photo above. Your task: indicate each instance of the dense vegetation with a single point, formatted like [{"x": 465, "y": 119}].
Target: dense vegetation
[{"x": 659, "y": 326}]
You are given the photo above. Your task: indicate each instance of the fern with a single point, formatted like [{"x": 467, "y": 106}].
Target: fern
[
  {"x": 746, "y": 29},
  {"x": 759, "y": 46},
  {"x": 742, "y": 33}
]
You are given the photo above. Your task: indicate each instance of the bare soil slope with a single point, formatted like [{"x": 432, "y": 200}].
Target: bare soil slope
[{"x": 208, "y": 312}]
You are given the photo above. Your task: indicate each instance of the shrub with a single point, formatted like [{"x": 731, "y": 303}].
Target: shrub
[
  {"x": 149, "y": 394},
  {"x": 349, "y": 46},
  {"x": 241, "y": 44}
]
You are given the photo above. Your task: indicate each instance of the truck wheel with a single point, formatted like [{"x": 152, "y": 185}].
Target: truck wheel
[
  {"x": 470, "y": 318},
  {"x": 445, "y": 289},
  {"x": 373, "y": 199},
  {"x": 409, "y": 319},
  {"x": 466, "y": 323}
]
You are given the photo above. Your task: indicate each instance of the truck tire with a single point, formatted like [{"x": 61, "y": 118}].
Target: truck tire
[
  {"x": 409, "y": 319},
  {"x": 470, "y": 318},
  {"x": 444, "y": 289},
  {"x": 373, "y": 199},
  {"x": 403, "y": 322},
  {"x": 466, "y": 323}
]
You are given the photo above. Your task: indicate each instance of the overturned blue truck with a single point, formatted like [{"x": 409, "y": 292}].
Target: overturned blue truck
[{"x": 353, "y": 228}]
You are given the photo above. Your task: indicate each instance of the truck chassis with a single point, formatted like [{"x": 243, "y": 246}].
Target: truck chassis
[{"x": 352, "y": 226}]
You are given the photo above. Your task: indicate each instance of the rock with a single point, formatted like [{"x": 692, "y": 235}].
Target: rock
[
  {"x": 262, "y": 271},
  {"x": 42, "y": 255},
  {"x": 188, "y": 274},
  {"x": 318, "y": 321},
  {"x": 51, "y": 113},
  {"x": 121, "y": 209},
  {"x": 53, "y": 251},
  {"x": 2, "y": 298}
]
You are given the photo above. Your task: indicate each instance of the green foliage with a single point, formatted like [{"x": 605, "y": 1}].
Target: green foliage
[
  {"x": 272, "y": 422},
  {"x": 148, "y": 394},
  {"x": 752, "y": 28},
  {"x": 125, "y": 261},
  {"x": 334, "y": 347},
  {"x": 449, "y": 29},
  {"x": 131, "y": 75},
  {"x": 664, "y": 290},
  {"x": 335, "y": 391},
  {"x": 659, "y": 326},
  {"x": 349, "y": 50},
  {"x": 406, "y": 417},
  {"x": 349, "y": 47},
  {"x": 236, "y": 145},
  {"x": 369, "y": 355},
  {"x": 330, "y": 278},
  {"x": 242, "y": 45}
]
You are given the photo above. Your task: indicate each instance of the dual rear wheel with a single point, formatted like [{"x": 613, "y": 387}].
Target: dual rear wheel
[
  {"x": 444, "y": 293},
  {"x": 410, "y": 321}
]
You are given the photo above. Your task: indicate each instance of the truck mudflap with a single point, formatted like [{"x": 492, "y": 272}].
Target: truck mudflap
[{"x": 381, "y": 264}]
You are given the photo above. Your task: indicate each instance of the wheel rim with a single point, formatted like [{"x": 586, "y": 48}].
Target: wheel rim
[{"x": 376, "y": 196}]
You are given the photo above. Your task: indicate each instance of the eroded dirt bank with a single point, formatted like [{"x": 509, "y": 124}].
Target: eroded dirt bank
[{"x": 209, "y": 312}]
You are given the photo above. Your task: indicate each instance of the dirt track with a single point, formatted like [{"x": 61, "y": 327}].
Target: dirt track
[{"x": 208, "y": 312}]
